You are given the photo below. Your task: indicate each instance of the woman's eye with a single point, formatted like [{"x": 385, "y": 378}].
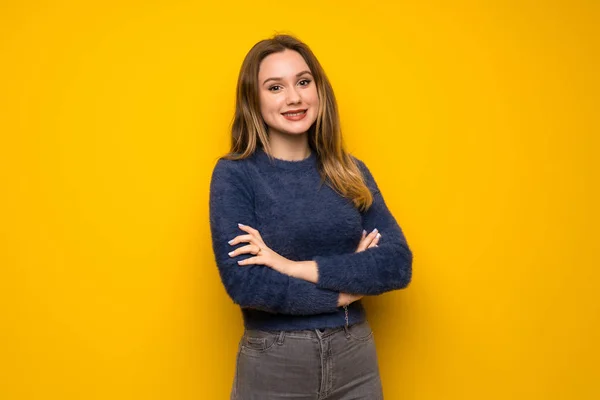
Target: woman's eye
[{"x": 279, "y": 86}]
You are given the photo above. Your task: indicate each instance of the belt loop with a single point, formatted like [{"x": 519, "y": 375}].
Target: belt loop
[{"x": 280, "y": 338}]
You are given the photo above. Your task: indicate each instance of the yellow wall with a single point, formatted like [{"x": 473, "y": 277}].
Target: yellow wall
[{"x": 478, "y": 119}]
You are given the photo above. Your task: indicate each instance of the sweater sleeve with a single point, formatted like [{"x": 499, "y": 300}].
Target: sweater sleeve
[
  {"x": 254, "y": 286},
  {"x": 375, "y": 270}
]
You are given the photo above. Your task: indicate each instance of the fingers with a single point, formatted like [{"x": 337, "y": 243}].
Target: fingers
[
  {"x": 361, "y": 244},
  {"x": 375, "y": 241},
  {"x": 347, "y": 298},
  {"x": 367, "y": 241},
  {"x": 372, "y": 236},
  {"x": 253, "y": 236},
  {"x": 248, "y": 249},
  {"x": 249, "y": 229},
  {"x": 254, "y": 247},
  {"x": 242, "y": 239},
  {"x": 250, "y": 261}
]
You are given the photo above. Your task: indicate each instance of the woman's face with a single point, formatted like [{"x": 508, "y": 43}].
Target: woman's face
[{"x": 286, "y": 84}]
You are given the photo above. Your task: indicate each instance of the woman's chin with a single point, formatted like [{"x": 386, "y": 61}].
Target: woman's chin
[{"x": 296, "y": 131}]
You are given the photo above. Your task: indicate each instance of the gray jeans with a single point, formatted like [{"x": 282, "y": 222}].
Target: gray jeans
[{"x": 334, "y": 364}]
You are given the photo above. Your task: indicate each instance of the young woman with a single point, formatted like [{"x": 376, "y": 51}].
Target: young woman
[{"x": 297, "y": 227}]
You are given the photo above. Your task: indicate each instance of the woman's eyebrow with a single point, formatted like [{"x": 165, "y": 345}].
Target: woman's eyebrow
[{"x": 298, "y": 75}]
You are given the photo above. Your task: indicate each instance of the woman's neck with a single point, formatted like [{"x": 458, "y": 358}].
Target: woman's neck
[{"x": 289, "y": 147}]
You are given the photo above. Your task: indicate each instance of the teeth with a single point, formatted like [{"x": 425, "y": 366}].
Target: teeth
[{"x": 294, "y": 114}]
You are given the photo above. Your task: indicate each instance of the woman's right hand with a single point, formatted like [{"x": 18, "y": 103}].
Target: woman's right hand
[
  {"x": 344, "y": 299},
  {"x": 366, "y": 242}
]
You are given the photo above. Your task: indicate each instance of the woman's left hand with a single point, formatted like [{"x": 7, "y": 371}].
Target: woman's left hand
[{"x": 263, "y": 255}]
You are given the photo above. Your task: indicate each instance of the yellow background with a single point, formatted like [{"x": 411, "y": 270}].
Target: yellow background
[{"x": 479, "y": 121}]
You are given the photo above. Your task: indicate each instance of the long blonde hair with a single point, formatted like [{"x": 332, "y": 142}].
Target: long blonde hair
[{"x": 336, "y": 167}]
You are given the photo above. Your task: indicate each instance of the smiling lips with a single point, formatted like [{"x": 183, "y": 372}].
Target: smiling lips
[
  {"x": 300, "y": 110},
  {"x": 294, "y": 115}
]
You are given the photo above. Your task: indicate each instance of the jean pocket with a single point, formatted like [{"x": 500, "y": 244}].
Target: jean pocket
[
  {"x": 258, "y": 342},
  {"x": 361, "y": 331}
]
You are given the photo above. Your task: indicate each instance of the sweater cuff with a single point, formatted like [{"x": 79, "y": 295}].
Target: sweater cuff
[
  {"x": 330, "y": 274},
  {"x": 316, "y": 300}
]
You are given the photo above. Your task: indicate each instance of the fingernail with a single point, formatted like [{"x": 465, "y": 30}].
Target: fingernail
[
  {"x": 241, "y": 225},
  {"x": 231, "y": 241},
  {"x": 239, "y": 262},
  {"x": 364, "y": 232},
  {"x": 230, "y": 254},
  {"x": 374, "y": 230}
]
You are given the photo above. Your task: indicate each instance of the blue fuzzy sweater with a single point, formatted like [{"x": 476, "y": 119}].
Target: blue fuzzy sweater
[{"x": 301, "y": 219}]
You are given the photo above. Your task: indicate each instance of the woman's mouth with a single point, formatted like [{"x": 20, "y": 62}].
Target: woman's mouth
[{"x": 294, "y": 116}]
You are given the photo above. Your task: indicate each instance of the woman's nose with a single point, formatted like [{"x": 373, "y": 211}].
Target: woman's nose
[{"x": 293, "y": 96}]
